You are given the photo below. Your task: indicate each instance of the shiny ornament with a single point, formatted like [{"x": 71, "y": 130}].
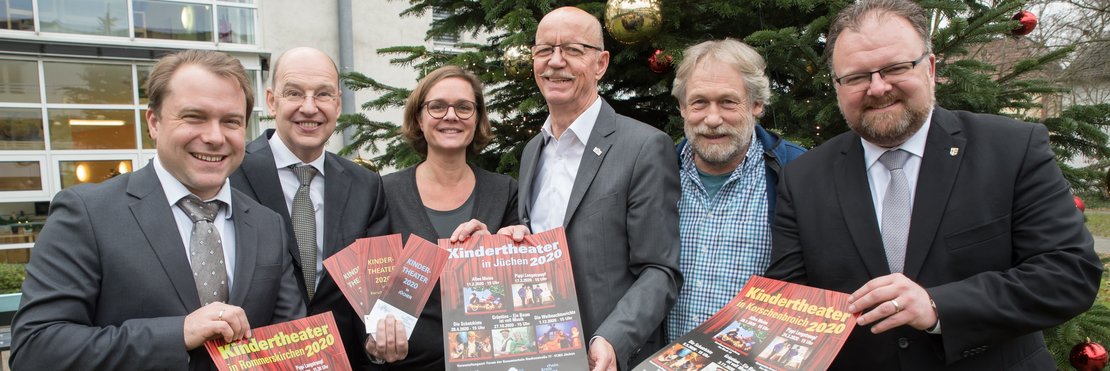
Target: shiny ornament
[
  {"x": 660, "y": 63},
  {"x": 365, "y": 163},
  {"x": 1088, "y": 356},
  {"x": 517, "y": 61},
  {"x": 1079, "y": 204},
  {"x": 633, "y": 21},
  {"x": 1028, "y": 23}
]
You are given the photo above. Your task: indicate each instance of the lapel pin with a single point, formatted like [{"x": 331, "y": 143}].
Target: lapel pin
[
  {"x": 954, "y": 151},
  {"x": 597, "y": 151}
]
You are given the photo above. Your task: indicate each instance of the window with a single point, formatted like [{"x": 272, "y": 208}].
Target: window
[
  {"x": 20, "y": 176},
  {"x": 86, "y": 17},
  {"x": 236, "y": 25},
  {"x": 81, "y": 172},
  {"x": 19, "y": 81},
  {"x": 88, "y": 83},
  {"x": 21, "y": 129},
  {"x": 17, "y": 15},
  {"x": 91, "y": 129},
  {"x": 172, "y": 20}
]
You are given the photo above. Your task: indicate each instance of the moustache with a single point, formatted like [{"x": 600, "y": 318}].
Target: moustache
[
  {"x": 883, "y": 101},
  {"x": 558, "y": 75},
  {"x": 722, "y": 130}
]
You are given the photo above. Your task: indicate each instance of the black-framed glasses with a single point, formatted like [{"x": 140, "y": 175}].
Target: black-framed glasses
[
  {"x": 570, "y": 50},
  {"x": 464, "y": 109},
  {"x": 891, "y": 74},
  {"x": 298, "y": 97}
]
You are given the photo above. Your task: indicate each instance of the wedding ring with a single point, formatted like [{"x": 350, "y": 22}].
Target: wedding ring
[
  {"x": 220, "y": 315},
  {"x": 897, "y": 308}
]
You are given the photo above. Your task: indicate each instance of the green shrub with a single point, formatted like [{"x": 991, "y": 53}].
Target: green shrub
[{"x": 11, "y": 277}]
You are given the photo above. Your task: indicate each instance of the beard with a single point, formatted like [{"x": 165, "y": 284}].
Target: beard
[
  {"x": 890, "y": 129},
  {"x": 717, "y": 155}
]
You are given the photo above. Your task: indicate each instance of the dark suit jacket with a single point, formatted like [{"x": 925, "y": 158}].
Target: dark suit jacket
[
  {"x": 622, "y": 228},
  {"x": 995, "y": 239},
  {"x": 354, "y": 207},
  {"x": 495, "y": 204},
  {"x": 109, "y": 285}
]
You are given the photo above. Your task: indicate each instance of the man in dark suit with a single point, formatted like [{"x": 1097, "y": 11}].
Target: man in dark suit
[
  {"x": 996, "y": 251},
  {"x": 117, "y": 278},
  {"x": 613, "y": 183},
  {"x": 343, "y": 201}
]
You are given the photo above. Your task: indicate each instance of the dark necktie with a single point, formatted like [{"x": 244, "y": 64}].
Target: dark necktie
[
  {"x": 206, "y": 252},
  {"x": 896, "y": 210},
  {"x": 304, "y": 225}
]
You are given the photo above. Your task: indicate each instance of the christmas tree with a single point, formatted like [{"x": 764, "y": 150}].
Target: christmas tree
[{"x": 791, "y": 36}]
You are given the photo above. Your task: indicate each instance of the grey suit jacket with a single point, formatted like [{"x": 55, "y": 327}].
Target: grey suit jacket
[
  {"x": 995, "y": 239},
  {"x": 622, "y": 228},
  {"x": 109, "y": 285},
  {"x": 354, "y": 207}
]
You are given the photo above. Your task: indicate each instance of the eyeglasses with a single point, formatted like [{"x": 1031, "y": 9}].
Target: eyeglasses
[
  {"x": 570, "y": 50},
  {"x": 298, "y": 97},
  {"x": 438, "y": 109},
  {"x": 891, "y": 74}
]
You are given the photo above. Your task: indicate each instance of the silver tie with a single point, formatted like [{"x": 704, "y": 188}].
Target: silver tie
[
  {"x": 304, "y": 226},
  {"x": 206, "y": 252},
  {"x": 896, "y": 209}
]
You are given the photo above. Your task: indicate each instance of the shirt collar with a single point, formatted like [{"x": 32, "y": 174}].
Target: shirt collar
[
  {"x": 582, "y": 125},
  {"x": 175, "y": 191},
  {"x": 284, "y": 158},
  {"x": 915, "y": 145}
]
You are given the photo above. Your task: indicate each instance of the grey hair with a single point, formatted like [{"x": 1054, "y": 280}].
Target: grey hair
[{"x": 738, "y": 55}]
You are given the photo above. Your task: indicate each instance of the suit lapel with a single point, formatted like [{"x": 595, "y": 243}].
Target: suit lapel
[
  {"x": 261, "y": 172},
  {"x": 600, "y": 139},
  {"x": 531, "y": 159},
  {"x": 935, "y": 180},
  {"x": 854, "y": 194},
  {"x": 150, "y": 208},
  {"x": 246, "y": 249},
  {"x": 337, "y": 185}
]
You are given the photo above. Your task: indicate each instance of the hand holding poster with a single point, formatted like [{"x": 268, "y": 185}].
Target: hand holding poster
[
  {"x": 509, "y": 305},
  {"x": 769, "y": 325},
  {"x": 409, "y": 286},
  {"x": 362, "y": 269},
  {"x": 307, "y": 344}
]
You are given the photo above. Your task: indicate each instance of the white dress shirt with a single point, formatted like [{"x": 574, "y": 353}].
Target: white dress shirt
[
  {"x": 878, "y": 176},
  {"x": 175, "y": 191},
  {"x": 283, "y": 158},
  {"x": 557, "y": 168}
]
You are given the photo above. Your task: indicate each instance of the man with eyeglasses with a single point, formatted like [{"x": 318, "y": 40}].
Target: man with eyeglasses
[
  {"x": 326, "y": 200},
  {"x": 954, "y": 232},
  {"x": 613, "y": 183}
]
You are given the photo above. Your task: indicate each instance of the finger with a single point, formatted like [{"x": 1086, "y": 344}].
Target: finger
[
  {"x": 881, "y": 311},
  {"x": 380, "y": 349},
  {"x": 402, "y": 342},
  {"x": 868, "y": 287},
  {"x": 895, "y": 320},
  {"x": 876, "y": 296},
  {"x": 369, "y": 345},
  {"x": 518, "y": 234},
  {"x": 391, "y": 338}
]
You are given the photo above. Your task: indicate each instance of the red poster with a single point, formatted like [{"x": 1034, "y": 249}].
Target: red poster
[
  {"x": 511, "y": 306},
  {"x": 362, "y": 269},
  {"x": 408, "y": 288},
  {"x": 769, "y": 325},
  {"x": 307, "y": 344}
]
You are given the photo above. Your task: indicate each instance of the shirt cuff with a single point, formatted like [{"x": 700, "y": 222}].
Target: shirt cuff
[{"x": 935, "y": 330}]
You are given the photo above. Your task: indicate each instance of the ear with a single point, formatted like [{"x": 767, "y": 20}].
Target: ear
[
  {"x": 152, "y": 124},
  {"x": 602, "y": 63},
  {"x": 757, "y": 109},
  {"x": 933, "y": 68},
  {"x": 271, "y": 103},
  {"x": 682, "y": 110}
]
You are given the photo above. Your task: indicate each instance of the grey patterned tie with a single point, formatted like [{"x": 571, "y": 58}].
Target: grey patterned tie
[
  {"x": 304, "y": 225},
  {"x": 896, "y": 209},
  {"x": 206, "y": 252}
]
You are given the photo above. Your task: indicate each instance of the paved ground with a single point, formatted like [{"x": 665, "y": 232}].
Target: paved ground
[{"x": 1102, "y": 245}]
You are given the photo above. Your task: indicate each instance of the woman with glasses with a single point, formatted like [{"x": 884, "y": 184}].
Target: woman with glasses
[{"x": 445, "y": 121}]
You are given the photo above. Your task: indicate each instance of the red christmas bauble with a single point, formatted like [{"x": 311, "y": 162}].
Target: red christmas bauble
[
  {"x": 1028, "y": 23},
  {"x": 1088, "y": 356},
  {"x": 1079, "y": 204},
  {"x": 659, "y": 63}
]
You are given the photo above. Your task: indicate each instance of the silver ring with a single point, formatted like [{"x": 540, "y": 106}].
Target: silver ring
[
  {"x": 220, "y": 315},
  {"x": 897, "y": 308}
]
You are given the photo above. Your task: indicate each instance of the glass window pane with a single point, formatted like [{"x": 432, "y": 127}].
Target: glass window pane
[
  {"x": 21, "y": 129},
  {"x": 80, "y": 172},
  {"x": 172, "y": 21},
  {"x": 239, "y": 1},
  {"x": 20, "y": 222},
  {"x": 148, "y": 143},
  {"x": 19, "y": 81},
  {"x": 92, "y": 129},
  {"x": 144, "y": 76},
  {"x": 17, "y": 15},
  {"x": 20, "y": 176},
  {"x": 88, "y": 83},
  {"x": 89, "y": 17},
  {"x": 236, "y": 25}
]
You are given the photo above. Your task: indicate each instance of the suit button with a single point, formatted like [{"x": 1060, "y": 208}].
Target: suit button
[{"x": 903, "y": 343}]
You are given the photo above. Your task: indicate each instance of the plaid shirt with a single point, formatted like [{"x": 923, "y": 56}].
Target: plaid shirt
[{"x": 724, "y": 240}]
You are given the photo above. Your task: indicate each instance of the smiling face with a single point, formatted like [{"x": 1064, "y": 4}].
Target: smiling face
[
  {"x": 719, "y": 118},
  {"x": 885, "y": 114},
  {"x": 200, "y": 129},
  {"x": 304, "y": 126},
  {"x": 569, "y": 84},
  {"x": 450, "y": 133}
]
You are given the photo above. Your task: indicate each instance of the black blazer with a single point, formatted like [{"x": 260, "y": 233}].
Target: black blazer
[
  {"x": 495, "y": 205},
  {"x": 354, "y": 207},
  {"x": 995, "y": 239}
]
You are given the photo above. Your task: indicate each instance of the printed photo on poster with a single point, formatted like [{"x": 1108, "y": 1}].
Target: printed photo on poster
[
  {"x": 470, "y": 345},
  {"x": 484, "y": 298},
  {"x": 558, "y": 336}
]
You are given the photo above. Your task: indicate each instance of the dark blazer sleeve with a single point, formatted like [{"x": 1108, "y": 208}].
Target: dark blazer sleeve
[
  {"x": 378, "y": 223},
  {"x": 54, "y": 327},
  {"x": 787, "y": 262}
]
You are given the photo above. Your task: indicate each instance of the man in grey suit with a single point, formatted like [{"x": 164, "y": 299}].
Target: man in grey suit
[
  {"x": 117, "y": 281},
  {"x": 343, "y": 200},
  {"x": 613, "y": 183}
]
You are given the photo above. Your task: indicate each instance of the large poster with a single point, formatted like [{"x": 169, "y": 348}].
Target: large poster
[
  {"x": 769, "y": 325},
  {"x": 307, "y": 344},
  {"x": 508, "y": 305}
]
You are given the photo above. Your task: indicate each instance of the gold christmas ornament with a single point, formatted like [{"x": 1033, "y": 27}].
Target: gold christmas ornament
[
  {"x": 517, "y": 61},
  {"x": 633, "y": 21}
]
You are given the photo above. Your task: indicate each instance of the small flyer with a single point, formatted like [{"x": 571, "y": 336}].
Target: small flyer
[
  {"x": 769, "y": 325},
  {"x": 408, "y": 288},
  {"x": 362, "y": 269},
  {"x": 306, "y": 344},
  {"x": 510, "y": 305}
]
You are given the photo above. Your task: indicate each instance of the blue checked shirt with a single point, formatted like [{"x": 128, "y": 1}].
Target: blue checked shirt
[{"x": 724, "y": 240}]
